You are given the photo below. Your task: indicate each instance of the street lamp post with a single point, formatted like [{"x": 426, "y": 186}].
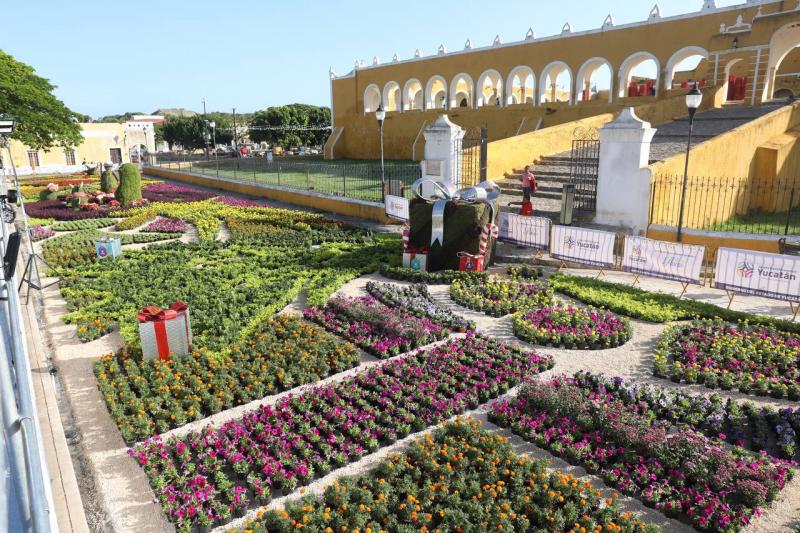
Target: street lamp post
[
  {"x": 214, "y": 137},
  {"x": 380, "y": 115},
  {"x": 205, "y": 118},
  {"x": 693, "y": 100}
]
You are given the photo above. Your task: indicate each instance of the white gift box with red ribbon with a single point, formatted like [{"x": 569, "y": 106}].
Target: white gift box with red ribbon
[{"x": 165, "y": 333}]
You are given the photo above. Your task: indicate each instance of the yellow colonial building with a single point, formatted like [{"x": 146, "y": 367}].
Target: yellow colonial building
[
  {"x": 513, "y": 88},
  {"x": 102, "y": 142}
]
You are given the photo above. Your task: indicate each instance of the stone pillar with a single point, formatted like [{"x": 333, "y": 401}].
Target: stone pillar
[
  {"x": 442, "y": 150},
  {"x": 623, "y": 178}
]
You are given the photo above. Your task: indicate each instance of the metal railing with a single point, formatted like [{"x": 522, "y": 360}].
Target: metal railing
[
  {"x": 360, "y": 180},
  {"x": 28, "y": 500},
  {"x": 739, "y": 205}
]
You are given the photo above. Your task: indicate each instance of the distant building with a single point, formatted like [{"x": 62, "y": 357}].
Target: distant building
[{"x": 102, "y": 142}]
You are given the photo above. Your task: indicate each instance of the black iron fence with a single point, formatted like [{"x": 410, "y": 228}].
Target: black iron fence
[
  {"x": 741, "y": 205},
  {"x": 361, "y": 180}
]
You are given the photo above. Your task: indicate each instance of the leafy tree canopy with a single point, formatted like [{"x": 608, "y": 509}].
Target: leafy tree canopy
[
  {"x": 40, "y": 119},
  {"x": 125, "y": 117},
  {"x": 188, "y": 132},
  {"x": 289, "y": 117}
]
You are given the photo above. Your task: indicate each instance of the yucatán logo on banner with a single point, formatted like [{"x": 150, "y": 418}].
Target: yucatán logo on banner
[
  {"x": 666, "y": 260},
  {"x": 532, "y": 232},
  {"x": 760, "y": 274},
  {"x": 587, "y": 246}
]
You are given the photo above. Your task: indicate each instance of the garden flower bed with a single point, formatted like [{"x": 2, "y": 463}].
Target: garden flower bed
[
  {"x": 651, "y": 306},
  {"x": 753, "y": 359},
  {"x": 572, "y": 328},
  {"x": 498, "y": 297},
  {"x": 135, "y": 218},
  {"x": 240, "y": 202},
  {"x": 776, "y": 431},
  {"x": 450, "y": 482},
  {"x": 78, "y": 225},
  {"x": 39, "y": 233},
  {"x": 676, "y": 470},
  {"x": 149, "y": 397},
  {"x": 372, "y": 326},
  {"x": 165, "y": 192},
  {"x": 444, "y": 277},
  {"x": 525, "y": 272},
  {"x": 208, "y": 476},
  {"x": 57, "y": 210},
  {"x": 167, "y": 225},
  {"x": 416, "y": 300},
  {"x": 229, "y": 288}
]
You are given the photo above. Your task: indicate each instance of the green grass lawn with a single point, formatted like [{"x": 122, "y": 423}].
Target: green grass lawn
[
  {"x": 757, "y": 222},
  {"x": 351, "y": 178}
]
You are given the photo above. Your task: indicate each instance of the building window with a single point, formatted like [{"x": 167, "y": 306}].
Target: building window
[
  {"x": 70, "y": 156},
  {"x": 116, "y": 155},
  {"x": 33, "y": 158}
]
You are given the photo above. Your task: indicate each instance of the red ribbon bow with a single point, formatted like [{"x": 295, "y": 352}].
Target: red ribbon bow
[{"x": 153, "y": 313}]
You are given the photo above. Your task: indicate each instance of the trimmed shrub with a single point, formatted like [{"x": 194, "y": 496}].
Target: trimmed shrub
[
  {"x": 108, "y": 181},
  {"x": 130, "y": 184}
]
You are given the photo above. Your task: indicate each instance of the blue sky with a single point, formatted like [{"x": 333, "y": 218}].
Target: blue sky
[{"x": 110, "y": 57}]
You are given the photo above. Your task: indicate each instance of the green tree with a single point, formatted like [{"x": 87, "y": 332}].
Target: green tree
[
  {"x": 188, "y": 132},
  {"x": 125, "y": 117},
  {"x": 293, "y": 118},
  {"x": 41, "y": 119}
]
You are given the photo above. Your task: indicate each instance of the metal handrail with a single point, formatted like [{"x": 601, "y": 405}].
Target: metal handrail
[{"x": 22, "y": 435}]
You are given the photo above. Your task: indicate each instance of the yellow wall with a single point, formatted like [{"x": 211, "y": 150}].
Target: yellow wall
[
  {"x": 362, "y": 210},
  {"x": 662, "y": 39},
  {"x": 505, "y": 156},
  {"x": 759, "y": 155}
]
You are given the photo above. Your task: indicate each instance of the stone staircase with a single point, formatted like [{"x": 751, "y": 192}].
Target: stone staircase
[{"x": 553, "y": 171}]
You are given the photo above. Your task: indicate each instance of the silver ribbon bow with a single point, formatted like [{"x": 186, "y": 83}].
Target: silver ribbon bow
[{"x": 445, "y": 191}]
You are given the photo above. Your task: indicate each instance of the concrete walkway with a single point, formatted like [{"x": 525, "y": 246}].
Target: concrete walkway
[{"x": 63, "y": 480}]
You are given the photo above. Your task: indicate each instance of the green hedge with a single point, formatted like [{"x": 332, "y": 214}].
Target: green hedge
[
  {"x": 443, "y": 277},
  {"x": 652, "y": 306}
]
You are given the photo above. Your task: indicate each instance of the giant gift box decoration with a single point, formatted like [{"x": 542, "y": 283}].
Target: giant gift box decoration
[
  {"x": 468, "y": 262},
  {"x": 449, "y": 220},
  {"x": 108, "y": 247},
  {"x": 415, "y": 258},
  {"x": 165, "y": 332}
]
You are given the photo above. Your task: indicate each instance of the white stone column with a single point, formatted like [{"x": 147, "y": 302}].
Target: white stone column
[
  {"x": 623, "y": 178},
  {"x": 443, "y": 150}
]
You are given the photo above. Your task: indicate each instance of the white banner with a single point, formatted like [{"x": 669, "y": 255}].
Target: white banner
[
  {"x": 666, "y": 260},
  {"x": 397, "y": 207},
  {"x": 581, "y": 245},
  {"x": 533, "y": 232},
  {"x": 757, "y": 273}
]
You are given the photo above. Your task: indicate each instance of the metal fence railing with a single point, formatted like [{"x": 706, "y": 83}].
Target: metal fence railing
[
  {"x": 27, "y": 498},
  {"x": 361, "y": 180},
  {"x": 740, "y": 205}
]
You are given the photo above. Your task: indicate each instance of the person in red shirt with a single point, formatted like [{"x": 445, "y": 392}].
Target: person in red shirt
[{"x": 528, "y": 184}]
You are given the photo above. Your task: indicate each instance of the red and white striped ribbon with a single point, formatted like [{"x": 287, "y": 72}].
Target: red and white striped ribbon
[
  {"x": 406, "y": 236},
  {"x": 490, "y": 231}
]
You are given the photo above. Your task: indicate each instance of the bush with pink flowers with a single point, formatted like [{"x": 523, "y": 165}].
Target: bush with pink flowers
[
  {"x": 166, "y": 192},
  {"x": 679, "y": 470},
  {"x": 206, "y": 477},
  {"x": 167, "y": 225},
  {"x": 374, "y": 327},
  {"x": 572, "y": 327}
]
